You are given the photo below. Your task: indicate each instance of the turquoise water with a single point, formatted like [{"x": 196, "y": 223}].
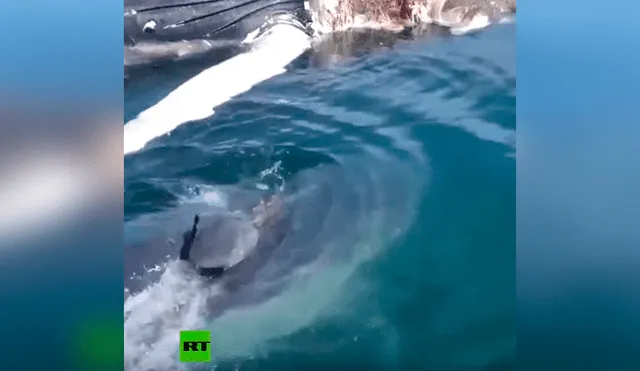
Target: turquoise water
[{"x": 401, "y": 163}]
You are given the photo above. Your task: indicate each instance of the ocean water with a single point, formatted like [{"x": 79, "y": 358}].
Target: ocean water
[{"x": 399, "y": 158}]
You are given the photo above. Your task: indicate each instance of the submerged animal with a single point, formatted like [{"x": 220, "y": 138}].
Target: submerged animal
[
  {"x": 220, "y": 243},
  {"x": 223, "y": 243}
]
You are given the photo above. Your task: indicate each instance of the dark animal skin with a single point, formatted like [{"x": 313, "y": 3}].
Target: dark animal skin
[{"x": 180, "y": 20}]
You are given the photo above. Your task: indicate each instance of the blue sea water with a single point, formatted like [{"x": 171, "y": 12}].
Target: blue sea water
[{"x": 404, "y": 155}]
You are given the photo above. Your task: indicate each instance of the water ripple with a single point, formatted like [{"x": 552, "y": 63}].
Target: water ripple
[{"x": 355, "y": 148}]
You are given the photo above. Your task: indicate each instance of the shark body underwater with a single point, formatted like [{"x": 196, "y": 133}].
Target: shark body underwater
[{"x": 219, "y": 243}]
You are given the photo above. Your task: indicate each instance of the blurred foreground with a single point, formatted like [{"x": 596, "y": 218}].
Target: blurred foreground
[{"x": 61, "y": 174}]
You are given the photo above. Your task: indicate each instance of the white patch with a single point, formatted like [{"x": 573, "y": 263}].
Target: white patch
[
  {"x": 478, "y": 22},
  {"x": 45, "y": 191},
  {"x": 149, "y": 26},
  {"x": 507, "y": 20},
  {"x": 251, "y": 36},
  {"x": 196, "y": 98}
]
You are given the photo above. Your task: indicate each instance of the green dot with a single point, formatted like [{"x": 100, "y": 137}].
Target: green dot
[{"x": 99, "y": 343}]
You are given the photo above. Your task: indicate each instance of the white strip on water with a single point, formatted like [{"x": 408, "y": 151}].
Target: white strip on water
[{"x": 196, "y": 98}]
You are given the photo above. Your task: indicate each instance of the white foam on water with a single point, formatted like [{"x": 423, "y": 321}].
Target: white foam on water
[
  {"x": 154, "y": 318},
  {"x": 313, "y": 290},
  {"x": 197, "y": 98},
  {"x": 479, "y": 22},
  {"x": 207, "y": 194}
]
